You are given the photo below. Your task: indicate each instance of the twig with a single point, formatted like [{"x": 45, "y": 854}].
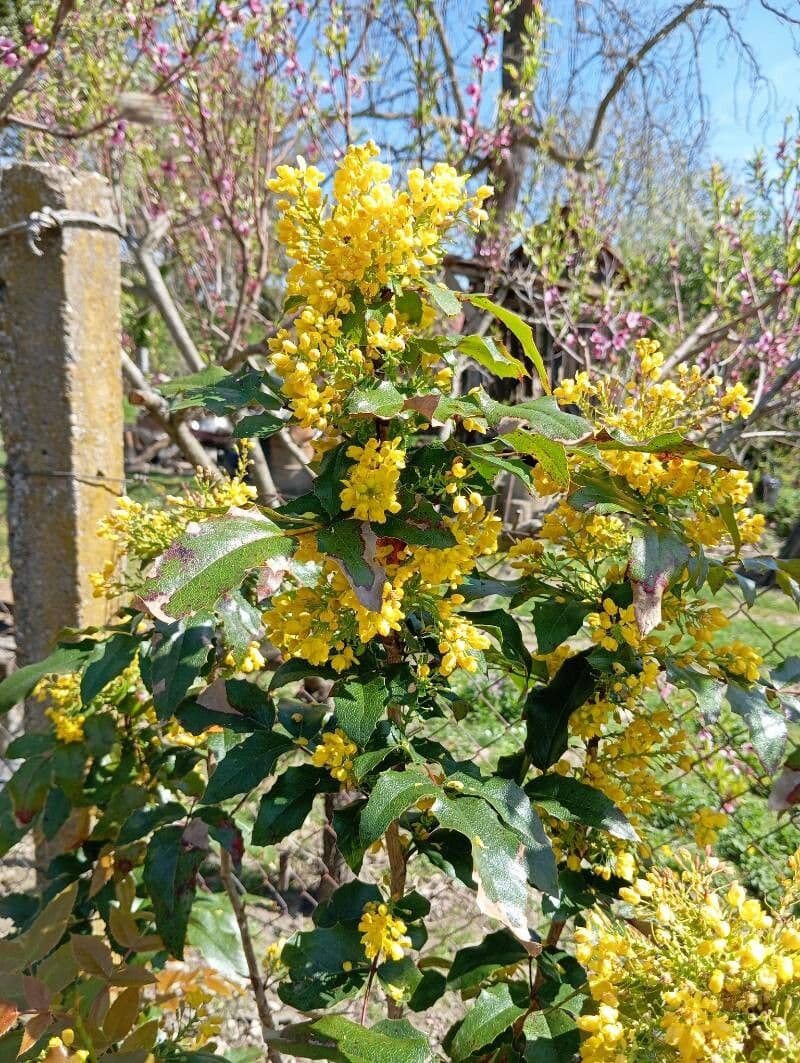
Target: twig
[
  {"x": 164, "y": 303},
  {"x": 256, "y": 980},
  {"x": 178, "y": 430}
]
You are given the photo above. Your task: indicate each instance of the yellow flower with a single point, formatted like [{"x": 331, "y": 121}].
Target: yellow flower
[
  {"x": 383, "y": 935},
  {"x": 370, "y": 487},
  {"x": 335, "y": 752}
]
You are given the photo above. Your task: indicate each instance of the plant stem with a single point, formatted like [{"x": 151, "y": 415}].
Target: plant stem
[{"x": 256, "y": 981}]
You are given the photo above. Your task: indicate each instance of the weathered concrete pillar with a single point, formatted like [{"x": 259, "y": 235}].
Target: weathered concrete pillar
[{"x": 61, "y": 395}]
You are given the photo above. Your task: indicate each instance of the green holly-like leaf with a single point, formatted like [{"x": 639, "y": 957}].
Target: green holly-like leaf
[
  {"x": 708, "y": 691},
  {"x": 574, "y": 802},
  {"x": 548, "y": 709},
  {"x": 501, "y": 624},
  {"x": 340, "y": 1040},
  {"x": 178, "y": 654},
  {"x": 498, "y": 859},
  {"x": 475, "y": 963},
  {"x": 260, "y": 425},
  {"x": 393, "y": 793},
  {"x": 245, "y": 766},
  {"x": 766, "y": 726},
  {"x": 418, "y": 527},
  {"x": 241, "y": 623},
  {"x": 351, "y": 543},
  {"x": 285, "y": 807},
  {"x": 554, "y": 622},
  {"x": 110, "y": 658},
  {"x": 145, "y": 820},
  {"x": 551, "y": 1036},
  {"x": 488, "y": 463},
  {"x": 492, "y": 1013},
  {"x": 444, "y": 299},
  {"x": 66, "y": 657},
  {"x": 550, "y": 454},
  {"x": 610, "y": 494},
  {"x": 492, "y": 356},
  {"x": 360, "y": 703},
  {"x": 204, "y": 564},
  {"x": 382, "y": 401},
  {"x": 170, "y": 874},
  {"x": 514, "y": 808},
  {"x": 519, "y": 328},
  {"x": 317, "y": 961}
]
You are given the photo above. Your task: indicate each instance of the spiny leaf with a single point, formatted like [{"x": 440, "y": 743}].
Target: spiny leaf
[
  {"x": 359, "y": 704},
  {"x": 492, "y": 356},
  {"x": 493, "y": 1012},
  {"x": 213, "y": 558},
  {"x": 521, "y": 329},
  {"x": 575, "y": 802}
]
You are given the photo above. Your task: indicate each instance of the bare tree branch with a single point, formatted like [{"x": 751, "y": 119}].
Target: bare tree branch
[
  {"x": 177, "y": 429},
  {"x": 631, "y": 64}
]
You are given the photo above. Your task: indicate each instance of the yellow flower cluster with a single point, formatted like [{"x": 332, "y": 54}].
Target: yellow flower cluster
[
  {"x": 644, "y": 409},
  {"x": 368, "y": 241},
  {"x": 703, "y": 972},
  {"x": 335, "y": 752},
  {"x": 63, "y": 692},
  {"x": 253, "y": 660},
  {"x": 458, "y": 638},
  {"x": 370, "y": 487},
  {"x": 327, "y": 623},
  {"x": 383, "y": 935},
  {"x": 143, "y": 531}
]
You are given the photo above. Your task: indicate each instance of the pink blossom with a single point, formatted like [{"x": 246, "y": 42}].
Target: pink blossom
[
  {"x": 38, "y": 47},
  {"x": 11, "y": 59},
  {"x": 474, "y": 90}
]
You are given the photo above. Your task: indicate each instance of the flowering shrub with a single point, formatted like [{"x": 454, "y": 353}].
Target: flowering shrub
[{"x": 196, "y": 703}]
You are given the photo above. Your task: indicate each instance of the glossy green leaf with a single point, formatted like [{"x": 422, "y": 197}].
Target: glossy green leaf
[
  {"x": 241, "y": 623},
  {"x": 572, "y": 801},
  {"x": 475, "y": 963},
  {"x": 551, "y": 1037},
  {"x": 444, "y": 299},
  {"x": 550, "y": 454},
  {"x": 352, "y": 544},
  {"x": 66, "y": 657},
  {"x": 316, "y": 961},
  {"x": 246, "y": 765},
  {"x": 178, "y": 653},
  {"x": 554, "y": 622},
  {"x": 548, "y": 709},
  {"x": 259, "y": 425},
  {"x": 383, "y": 401},
  {"x": 492, "y": 356},
  {"x": 491, "y": 1014},
  {"x": 519, "y": 328},
  {"x": 287, "y": 804},
  {"x": 708, "y": 691},
  {"x": 766, "y": 726},
  {"x": 110, "y": 658},
  {"x": 501, "y": 624},
  {"x": 170, "y": 875},
  {"x": 145, "y": 820},
  {"x": 393, "y": 793},
  {"x": 202, "y": 565},
  {"x": 360, "y": 703}
]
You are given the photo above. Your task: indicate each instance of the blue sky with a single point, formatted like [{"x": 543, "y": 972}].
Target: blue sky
[{"x": 740, "y": 121}]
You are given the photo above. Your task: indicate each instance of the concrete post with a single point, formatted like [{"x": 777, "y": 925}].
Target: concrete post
[{"x": 61, "y": 395}]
